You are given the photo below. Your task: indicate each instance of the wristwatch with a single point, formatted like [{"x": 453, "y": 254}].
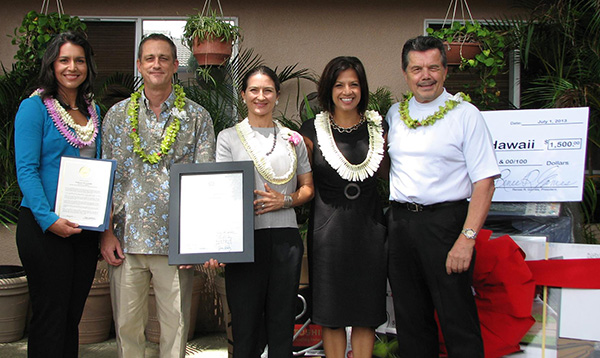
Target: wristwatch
[
  {"x": 288, "y": 201},
  {"x": 469, "y": 233}
]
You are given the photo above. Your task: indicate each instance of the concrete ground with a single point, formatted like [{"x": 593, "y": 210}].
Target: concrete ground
[{"x": 213, "y": 345}]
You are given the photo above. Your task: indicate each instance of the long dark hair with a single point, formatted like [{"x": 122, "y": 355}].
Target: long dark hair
[
  {"x": 330, "y": 75},
  {"x": 47, "y": 78}
]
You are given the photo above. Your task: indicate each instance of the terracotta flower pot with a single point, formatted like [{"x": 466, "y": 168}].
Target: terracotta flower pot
[
  {"x": 96, "y": 319},
  {"x": 212, "y": 51},
  {"x": 14, "y": 302},
  {"x": 454, "y": 50}
]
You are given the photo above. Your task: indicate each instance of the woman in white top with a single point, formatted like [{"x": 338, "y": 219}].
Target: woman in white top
[{"x": 264, "y": 292}]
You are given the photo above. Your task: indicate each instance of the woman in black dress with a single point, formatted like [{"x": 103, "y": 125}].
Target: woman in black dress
[{"x": 346, "y": 234}]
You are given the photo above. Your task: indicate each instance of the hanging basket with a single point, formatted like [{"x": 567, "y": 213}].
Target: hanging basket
[
  {"x": 212, "y": 51},
  {"x": 455, "y": 51}
]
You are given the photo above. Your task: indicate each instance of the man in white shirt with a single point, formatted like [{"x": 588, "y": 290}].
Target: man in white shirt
[{"x": 441, "y": 154}]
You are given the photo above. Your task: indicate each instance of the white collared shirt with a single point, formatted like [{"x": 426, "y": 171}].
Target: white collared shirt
[{"x": 440, "y": 162}]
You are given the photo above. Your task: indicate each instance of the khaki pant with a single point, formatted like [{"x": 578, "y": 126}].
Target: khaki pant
[{"x": 129, "y": 285}]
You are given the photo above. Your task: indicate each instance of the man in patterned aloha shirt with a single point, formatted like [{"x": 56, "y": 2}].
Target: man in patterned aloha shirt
[{"x": 142, "y": 134}]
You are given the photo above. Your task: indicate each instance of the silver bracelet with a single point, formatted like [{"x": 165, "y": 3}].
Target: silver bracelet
[{"x": 287, "y": 201}]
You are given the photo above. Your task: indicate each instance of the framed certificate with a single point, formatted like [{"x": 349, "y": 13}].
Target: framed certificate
[
  {"x": 84, "y": 191},
  {"x": 211, "y": 213}
]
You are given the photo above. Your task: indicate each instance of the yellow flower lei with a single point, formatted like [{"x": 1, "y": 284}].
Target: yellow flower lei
[
  {"x": 172, "y": 129},
  {"x": 450, "y": 104}
]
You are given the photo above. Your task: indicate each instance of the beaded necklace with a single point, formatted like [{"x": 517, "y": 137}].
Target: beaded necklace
[
  {"x": 450, "y": 104},
  {"x": 171, "y": 133},
  {"x": 274, "y": 141},
  {"x": 346, "y": 130},
  {"x": 335, "y": 158},
  {"x": 84, "y": 135}
]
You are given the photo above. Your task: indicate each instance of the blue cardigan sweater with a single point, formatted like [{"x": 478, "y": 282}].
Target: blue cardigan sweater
[{"x": 38, "y": 148}]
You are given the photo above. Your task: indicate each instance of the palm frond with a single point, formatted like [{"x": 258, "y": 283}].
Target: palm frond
[
  {"x": 10, "y": 197},
  {"x": 12, "y": 92},
  {"x": 116, "y": 88},
  {"x": 245, "y": 60},
  {"x": 290, "y": 72},
  {"x": 380, "y": 100}
]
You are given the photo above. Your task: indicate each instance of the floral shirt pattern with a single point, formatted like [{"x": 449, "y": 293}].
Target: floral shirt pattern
[{"x": 141, "y": 190}]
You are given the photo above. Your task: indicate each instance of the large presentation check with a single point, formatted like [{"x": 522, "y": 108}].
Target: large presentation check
[{"x": 540, "y": 152}]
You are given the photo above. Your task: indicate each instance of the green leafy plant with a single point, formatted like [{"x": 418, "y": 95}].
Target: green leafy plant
[
  {"x": 33, "y": 35},
  {"x": 10, "y": 97},
  {"x": 381, "y": 100},
  {"x": 567, "y": 72},
  {"x": 588, "y": 208},
  {"x": 217, "y": 89},
  {"x": 488, "y": 64},
  {"x": 115, "y": 88},
  {"x": 206, "y": 26},
  {"x": 385, "y": 347}
]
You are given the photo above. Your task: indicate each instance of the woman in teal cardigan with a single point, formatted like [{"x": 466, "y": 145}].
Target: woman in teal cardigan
[{"x": 59, "y": 119}]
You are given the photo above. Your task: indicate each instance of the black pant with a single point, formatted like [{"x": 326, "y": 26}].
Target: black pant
[
  {"x": 418, "y": 246},
  {"x": 60, "y": 272},
  {"x": 262, "y": 295}
]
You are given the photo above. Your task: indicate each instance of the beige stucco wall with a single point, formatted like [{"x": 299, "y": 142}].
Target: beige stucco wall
[{"x": 310, "y": 32}]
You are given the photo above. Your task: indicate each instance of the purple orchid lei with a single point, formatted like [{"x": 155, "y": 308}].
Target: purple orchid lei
[{"x": 58, "y": 114}]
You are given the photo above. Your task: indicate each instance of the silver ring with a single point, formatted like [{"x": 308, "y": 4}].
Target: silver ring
[{"x": 263, "y": 205}]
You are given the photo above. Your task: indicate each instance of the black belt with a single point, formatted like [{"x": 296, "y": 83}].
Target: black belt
[{"x": 415, "y": 208}]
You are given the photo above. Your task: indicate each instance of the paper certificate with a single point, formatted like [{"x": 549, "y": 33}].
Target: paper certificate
[
  {"x": 222, "y": 221},
  {"x": 540, "y": 152},
  {"x": 84, "y": 191}
]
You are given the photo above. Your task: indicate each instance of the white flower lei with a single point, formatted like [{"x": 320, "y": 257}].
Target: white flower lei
[
  {"x": 263, "y": 166},
  {"x": 85, "y": 133},
  {"x": 335, "y": 158}
]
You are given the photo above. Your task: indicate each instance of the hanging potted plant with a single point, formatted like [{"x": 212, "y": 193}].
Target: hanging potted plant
[
  {"x": 487, "y": 59},
  {"x": 474, "y": 47},
  {"x": 209, "y": 37},
  {"x": 466, "y": 39},
  {"x": 460, "y": 39}
]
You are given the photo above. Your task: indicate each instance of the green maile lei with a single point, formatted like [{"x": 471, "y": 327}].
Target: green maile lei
[
  {"x": 171, "y": 133},
  {"x": 450, "y": 104}
]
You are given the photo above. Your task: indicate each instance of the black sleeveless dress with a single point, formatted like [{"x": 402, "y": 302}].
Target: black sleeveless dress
[{"x": 346, "y": 239}]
